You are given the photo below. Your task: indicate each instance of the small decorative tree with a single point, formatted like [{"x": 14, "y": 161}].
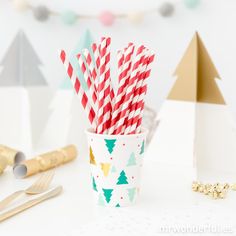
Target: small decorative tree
[
  {"x": 92, "y": 159},
  {"x": 122, "y": 179},
  {"x": 94, "y": 185},
  {"x": 131, "y": 193},
  {"x": 110, "y": 143},
  {"x": 196, "y": 75},
  {"x": 105, "y": 168},
  {"x": 66, "y": 112},
  {"x": 21, "y": 64},
  {"x": 131, "y": 161},
  {"x": 142, "y": 148},
  {"x": 113, "y": 169},
  {"x": 86, "y": 41},
  {"x": 21, "y": 68},
  {"x": 107, "y": 193},
  {"x": 56, "y": 129},
  {"x": 101, "y": 202},
  {"x": 202, "y": 117}
]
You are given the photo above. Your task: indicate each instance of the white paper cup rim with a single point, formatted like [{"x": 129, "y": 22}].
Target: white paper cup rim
[{"x": 90, "y": 131}]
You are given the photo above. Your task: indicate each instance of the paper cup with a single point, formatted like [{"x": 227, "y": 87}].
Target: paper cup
[{"x": 116, "y": 163}]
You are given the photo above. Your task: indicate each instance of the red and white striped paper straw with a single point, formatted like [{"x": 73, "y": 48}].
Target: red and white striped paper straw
[
  {"x": 91, "y": 68},
  {"x": 120, "y": 114},
  {"x": 124, "y": 75},
  {"x": 118, "y": 121},
  {"x": 95, "y": 72},
  {"x": 136, "y": 97},
  {"x": 111, "y": 90},
  {"x": 87, "y": 79},
  {"x": 120, "y": 59},
  {"x": 79, "y": 90},
  {"x": 104, "y": 101},
  {"x": 136, "y": 123}
]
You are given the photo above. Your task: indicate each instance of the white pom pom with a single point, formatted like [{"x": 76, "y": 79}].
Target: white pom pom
[
  {"x": 20, "y": 5},
  {"x": 136, "y": 17}
]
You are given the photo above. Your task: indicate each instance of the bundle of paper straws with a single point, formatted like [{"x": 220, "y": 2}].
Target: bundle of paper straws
[{"x": 109, "y": 111}]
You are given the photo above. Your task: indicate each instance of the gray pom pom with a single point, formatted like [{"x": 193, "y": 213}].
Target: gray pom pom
[
  {"x": 41, "y": 13},
  {"x": 166, "y": 9}
]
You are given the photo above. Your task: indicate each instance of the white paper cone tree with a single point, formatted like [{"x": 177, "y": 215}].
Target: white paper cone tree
[
  {"x": 19, "y": 75},
  {"x": 56, "y": 131},
  {"x": 39, "y": 111},
  {"x": 21, "y": 64},
  {"x": 75, "y": 132},
  {"x": 78, "y": 124},
  {"x": 66, "y": 122},
  {"x": 195, "y": 127},
  {"x": 67, "y": 116}
]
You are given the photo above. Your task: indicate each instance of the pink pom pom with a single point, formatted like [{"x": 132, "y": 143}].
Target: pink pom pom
[{"x": 107, "y": 18}]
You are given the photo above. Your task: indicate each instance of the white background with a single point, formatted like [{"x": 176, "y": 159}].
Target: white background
[
  {"x": 214, "y": 19},
  {"x": 168, "y": 37}
]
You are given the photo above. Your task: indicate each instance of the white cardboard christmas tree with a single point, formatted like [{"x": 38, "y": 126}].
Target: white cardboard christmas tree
[
  {"x": 21, "y": 64},
  {"x": 195, "y": 127},
  {"x": 20, "y": 79},
  {"x": 67, "y": 121},
  {"x": 55, "y": 132}
]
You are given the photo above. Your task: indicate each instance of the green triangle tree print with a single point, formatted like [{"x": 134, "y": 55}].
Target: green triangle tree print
[
  {"x": 142, "y": 148},
  {"x": 113, "y": 169},
  {"x": 107, "y": 193},
  {"x": 122, "y": 178},
  {"x": 117, "y": 205},
  {"x": 131, "y": 193},
  {"x": 101, "y": 201},
  {"x": 131, "y": 161},
  {"x": 110, "y": 143},
  {"x": 94, "y": 185}
]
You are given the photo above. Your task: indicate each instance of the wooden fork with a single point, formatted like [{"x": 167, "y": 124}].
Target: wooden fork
[
  {"x": 43, "y": 197},
  {"x": 37, "y": 187}
]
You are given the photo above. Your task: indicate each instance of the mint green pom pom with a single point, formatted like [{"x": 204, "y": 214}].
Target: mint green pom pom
[
  {"x": 191, "y": 3},
  {"x": 69, "y": 17}
]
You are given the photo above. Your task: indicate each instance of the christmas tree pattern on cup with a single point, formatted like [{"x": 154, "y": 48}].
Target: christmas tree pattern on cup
[{"x": 116, "y": 165}]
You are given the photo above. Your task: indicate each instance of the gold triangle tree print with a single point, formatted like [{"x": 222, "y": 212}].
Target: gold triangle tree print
[
  {"x": 196, "y": 76},
  {"x": 92, "y": 158},
  {"x": 105, "y": 168}
]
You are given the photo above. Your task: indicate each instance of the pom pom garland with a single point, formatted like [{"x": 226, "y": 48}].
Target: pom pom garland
[
  {"x": 107, "y": 18},
  {"x": 20, "y": 5},
  {"x": 69, "y": 17},
  {"x": 191, "y": 3},
  {"x": 41, "y": 13},
  {"x": 136, "y": 17},
  {"x": 166, "y": 9}
]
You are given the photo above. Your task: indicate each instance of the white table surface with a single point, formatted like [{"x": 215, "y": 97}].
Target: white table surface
[{"x": 166, "y": 200}]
